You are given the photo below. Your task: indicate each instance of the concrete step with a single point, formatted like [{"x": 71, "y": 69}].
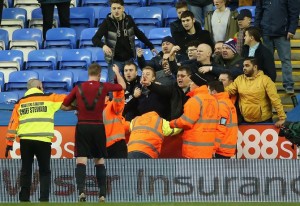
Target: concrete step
[
  {"x": 285, "y": 98},
  {"x": 295, "y": 64},
  {"x": 280, "y": 87},
  {"x": 295, "y": 55},
  {"x": 295, "y": 43},
  {"x": 296, "y": 76},
  {"x": 297, "y": 35}
]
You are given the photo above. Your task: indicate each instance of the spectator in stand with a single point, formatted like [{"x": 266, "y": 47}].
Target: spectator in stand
[
  {"x": 200, "y": 8},
  {"x": 226, "y": 78},
  {"x": 147, "y": 135},
  {"x": 244, "y": 21},
  {"x": 176, "y": 93},
  {"x": 119, "y": 31},
  {"x": 221, "y": 23},
  {"x": 204, "y": 53},
  {"x": 191, "y": 52},
  {"x": 149, "y": 101},
  {"x": 199, "y": 121},
  {"x": 227, "y": 129},
  {"x": 257, "y": 94},
  {"x": 159, "y": 63},
  {"x": 132, "y": 81},
  {"x": 229, "y": 60},
  {"x": 278, "y": 21},
  {"x": 63, "y": 8},
  {"x": 218, "y": 48},
  {"x": 254, "y": 48},
  {"x": 191, "y": 32}
]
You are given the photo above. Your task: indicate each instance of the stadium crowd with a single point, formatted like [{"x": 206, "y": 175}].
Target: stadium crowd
[{"x": 214, "y": 72}]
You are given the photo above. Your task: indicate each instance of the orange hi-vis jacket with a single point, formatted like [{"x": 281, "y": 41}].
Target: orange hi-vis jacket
[
  {"x": 33, "y": 116},
  {"x": 227, "y": 129},
  {"x": 147, "y": 134},
  {"x": 113, "y": 119},
  {"x": 199, "y": 122}
]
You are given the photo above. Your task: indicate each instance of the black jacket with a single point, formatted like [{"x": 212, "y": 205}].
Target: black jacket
[
  {"x": 108, "y": 30},
  {"x": 265, "y": 60},
  {"x": 175, "y": 95},
  {"x": 277, "y": 17},
  {"x": 235, "y": 66},
  {"x": 200, "y": 3},
  {"x": 130, "y": 110}
]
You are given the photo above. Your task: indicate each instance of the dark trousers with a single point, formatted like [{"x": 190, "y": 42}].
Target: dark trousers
[
  {"x": 138, "y": 155},
  {"x": 218, "y": 156},
  {"x": 118, "y": 150},
  {"x": 48, "y": 12},
  {"x": 42, "y": 151},
  {"x": 1, "y": 8}
]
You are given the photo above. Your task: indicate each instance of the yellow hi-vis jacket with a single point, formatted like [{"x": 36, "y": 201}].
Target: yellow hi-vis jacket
[{"x": 33, "y": 116}]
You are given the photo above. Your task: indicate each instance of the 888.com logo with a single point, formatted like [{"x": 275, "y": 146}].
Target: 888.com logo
[{"x": 263, "y": 144}]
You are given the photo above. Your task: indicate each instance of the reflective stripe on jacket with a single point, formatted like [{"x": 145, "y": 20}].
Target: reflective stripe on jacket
[
  {"x": 199, "y": 121},
  {"x": 227, "y": 129},
  {"x": 33, "y": 116},
  {"x": 113, "y": 120},
  {"x": 146, "y": 134}
]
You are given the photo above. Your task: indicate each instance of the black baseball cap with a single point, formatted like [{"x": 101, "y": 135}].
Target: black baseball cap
[{"x": 244, "y": 13}]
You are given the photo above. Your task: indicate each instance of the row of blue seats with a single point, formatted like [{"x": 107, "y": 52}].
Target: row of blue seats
[
  {"x": 93, "y": 16},
  {"x": 19, "y": 3},
  {"x": 58, "y": 81},
  {"x": 66, "y": 37}
]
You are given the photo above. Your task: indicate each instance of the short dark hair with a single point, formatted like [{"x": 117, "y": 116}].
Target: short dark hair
[
  {"x": 216, "y": 85},
  {"x": 94, "y": 69},
  {"x": 121, "y": 2},
  {"x": 255, "y": 32},
  {"x": 185, "y": 68},
  {"x": 181, "y": 4},
  {"x": 150, "y": 68},
  {"x": 253, "y": 60},
  {"x": 131, "y": 63},
  {"x": 187, "y": 14},
  {"x": 194, "y": 43},
  {"x": 228, "y": 73}
]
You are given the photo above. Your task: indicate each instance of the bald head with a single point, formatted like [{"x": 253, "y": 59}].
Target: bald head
[
  {"x": 204, "y": 52},
  {"x": 34, "y": 83}
]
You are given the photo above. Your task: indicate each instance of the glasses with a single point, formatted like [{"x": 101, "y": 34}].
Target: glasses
[{"x": 190, "y": 50}]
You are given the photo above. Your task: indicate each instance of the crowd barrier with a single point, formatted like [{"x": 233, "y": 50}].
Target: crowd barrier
[
  {"x": 254, "y": 142},
  {"x": 167, "y": 180}
]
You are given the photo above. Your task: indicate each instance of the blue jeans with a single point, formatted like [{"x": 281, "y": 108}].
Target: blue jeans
[
  {"x": 111, "y": 74},
  {"x": 283, "y": 47},
  {"x": 200, "y": 12}
]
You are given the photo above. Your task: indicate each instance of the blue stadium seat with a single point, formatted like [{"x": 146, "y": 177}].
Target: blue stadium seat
[
  {"x": 86, "y": 36},
  {"x": 98, "y": 57},
  {"x": 36, "y": 20},
  {"x": 80, "y": 77},
  {"x": 11, "y": 56},
  {"x": 147, "y": 54},
  {"x": 12, "y": 19},
  {"x": 2, "y": 82},
  {"x": 94, "y": 3},
  {"x": 135, "y": 3},
  {"x": 58, "y": 81},
  {"x": 4, "y": 39},
  {"x": 171, "y": 16},
  {"x": 8, "y": 97},
  {"x": 161, "y": 2},
  {"x": 26, "y": 40},
  {"x": 157, "y": 34},
  {"x": 75, "y": 59},
  {"x": 81, "y": 18},
  {"x": 148, "y": 16},
  {"x": 41, "y": 61},
  {"x": 251, "y": 8},
  {"x": 17, "y": 81},
  {"x": 61, "y": 38},
  {"x": 28, "y": 5}
]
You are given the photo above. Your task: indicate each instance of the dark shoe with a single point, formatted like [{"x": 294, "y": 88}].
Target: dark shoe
[{"x": 44, "y": 199}]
